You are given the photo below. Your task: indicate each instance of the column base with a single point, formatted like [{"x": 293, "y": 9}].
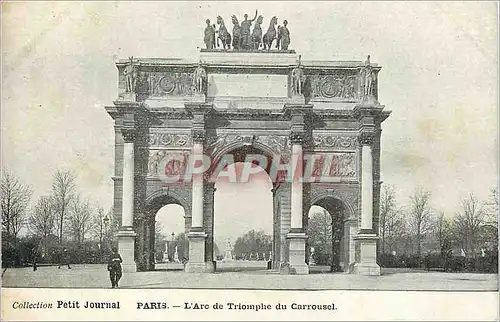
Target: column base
[
  {"x": 367, "y": 269},
  {"x": 205, "y": 267},
  {"x": 196, "y": 263},
  {"x": 297, "y": 254},
  {"x": 126, "y": 249},
  {"x": 367, "y": 264}
]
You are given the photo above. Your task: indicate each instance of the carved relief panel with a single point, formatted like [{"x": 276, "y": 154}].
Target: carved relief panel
[
  {"x": 328, "y": 166},
  {"x": 341, "y": 85},
  {"x": 167, "y": 164},
  {"x": 174, "y": 84},
  {"x": 162, "y": 139},
  {"x": 277, "y": 143},
  {"x": 335, "y": 142}
]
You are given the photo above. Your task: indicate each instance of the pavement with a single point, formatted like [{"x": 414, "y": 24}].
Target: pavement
[{"x": 246, "y": 275}]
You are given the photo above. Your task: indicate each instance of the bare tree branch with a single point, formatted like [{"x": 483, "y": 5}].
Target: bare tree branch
[
  {"x": 14, "y": 201},
  {"x": 468, "y": 224},
  {"x": 420, "y": 218},
  {"x": 42, "y": 220},
  {"x": 79, "y": 218},
  {"x": 63, "y": 189}
]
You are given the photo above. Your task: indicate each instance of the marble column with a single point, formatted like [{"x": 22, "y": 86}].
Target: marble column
[
  {"x": 297, "y": 237},
  {"x": 197, "y": 236},
  {"x": 366, "y": 238},
  {"x": 126, "y": 235}
]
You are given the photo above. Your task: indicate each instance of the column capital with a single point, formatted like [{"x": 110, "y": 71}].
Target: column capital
[
  {"x": 198, "y": 135},
  {"x": 129, "y": 134},
  {"x": 297, "y": 137},
  {"x": 366, "y": 138}
]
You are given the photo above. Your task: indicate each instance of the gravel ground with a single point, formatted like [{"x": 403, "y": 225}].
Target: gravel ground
[{"x": 253, "y": 276}]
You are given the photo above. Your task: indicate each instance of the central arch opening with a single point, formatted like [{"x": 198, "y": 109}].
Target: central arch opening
[
  {"x": 164, "y": 240},
  {"x": 327, "y": 236},
  {"x": 243, "y": 214}
]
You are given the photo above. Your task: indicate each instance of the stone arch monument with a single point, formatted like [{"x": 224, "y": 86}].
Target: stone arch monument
[{"x": 242, "y": 103}]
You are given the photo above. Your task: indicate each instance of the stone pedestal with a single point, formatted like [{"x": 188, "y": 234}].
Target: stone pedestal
[
  {"x": 297, "y": 246},
  {"x": 126, "y": 245},
  {"x": 197, "y": 262},
  {"x": 297, "y": 99},
  {"x": 198, "y": 98},
  {"x": 129, "y": 97},
  {"x": 367, "y": 262}
]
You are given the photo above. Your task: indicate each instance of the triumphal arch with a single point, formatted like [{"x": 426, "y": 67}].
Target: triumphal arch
[{"x": 314, "y": 126}]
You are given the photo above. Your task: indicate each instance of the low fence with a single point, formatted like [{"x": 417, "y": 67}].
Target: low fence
[{"x": 482, "y": 264}]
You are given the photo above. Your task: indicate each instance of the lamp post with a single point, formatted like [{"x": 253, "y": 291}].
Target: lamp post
[
  {"x": 106, "y": 223},
  {"x": 172, "y": 245}
]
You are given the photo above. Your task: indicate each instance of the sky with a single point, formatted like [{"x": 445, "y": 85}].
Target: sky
[{"x": 439, "y": 78}]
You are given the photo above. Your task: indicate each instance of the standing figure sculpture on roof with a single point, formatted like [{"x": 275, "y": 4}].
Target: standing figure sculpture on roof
[
  {"x": 257, "y": 33},
  {"x": 236, "y": 33},
  {"x": 245, "y": 31},
  {"x": 283, "y": 37},
  {"x": 297, "y": 78},
  {"x": 224, "y": 35},
  {"x": 270, "y": 35},
  {"x": 130, "y": 76},
  {"x": 209, "y": 38},
  {"x": 368, "y": 77},
  {"x": 199, "y": 79}
]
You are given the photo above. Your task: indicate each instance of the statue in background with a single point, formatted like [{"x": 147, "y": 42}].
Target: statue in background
[
  {"x": 209, "y": 35},
  {"x": 245, "y": 31},
  {"x": 257, "y": 34},
  {"x": 283, "y": 37},
  {"x": 130, "y": 76},
  {"x": 199, "y": 79}
]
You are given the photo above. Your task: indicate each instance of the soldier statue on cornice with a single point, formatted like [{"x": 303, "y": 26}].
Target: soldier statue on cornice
[
  {"x": 199, "y": 78},
  {"x": 368, "y": 79},
  {"x": 130, "y": 76},
  {"x": 297, "y": 78}
]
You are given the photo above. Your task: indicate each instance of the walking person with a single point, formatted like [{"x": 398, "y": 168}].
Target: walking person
[
  {"x": 64, "y": 258},
  {"x": 34, "y": 255},
  {"x": 115, "y": 268}
]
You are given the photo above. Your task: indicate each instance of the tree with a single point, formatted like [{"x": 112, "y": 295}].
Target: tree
[
  {"x": 420, "y": 218},
  {"x": 160, "y": 241},
  {"x": 491, "y": 220},
  {"x": 42, "y": 220},
  {"x": 252, "y": 242},
  {"x": 79, "y": 218},
  {"x": 320, "y": 236},
  {"x": 99, "y": 229},
  {"x": 14, "y": 201},
  {"x": 468, "y": 225},
  {"x": 391, "y": 221},
  {"x": 63, "y": 189},
  {"x": 444, "y": 234}
]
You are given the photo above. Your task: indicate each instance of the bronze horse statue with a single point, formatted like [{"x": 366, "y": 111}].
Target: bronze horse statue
[
  {"x": 270, "y": 35},
  {"x": 257, "y": 34},
  {"x": 224, "y": 35},
  {"x": 236, "y": 33}
]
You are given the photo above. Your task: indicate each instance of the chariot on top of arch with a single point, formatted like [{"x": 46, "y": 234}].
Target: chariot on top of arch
[{"x": 218, "y": 37}]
